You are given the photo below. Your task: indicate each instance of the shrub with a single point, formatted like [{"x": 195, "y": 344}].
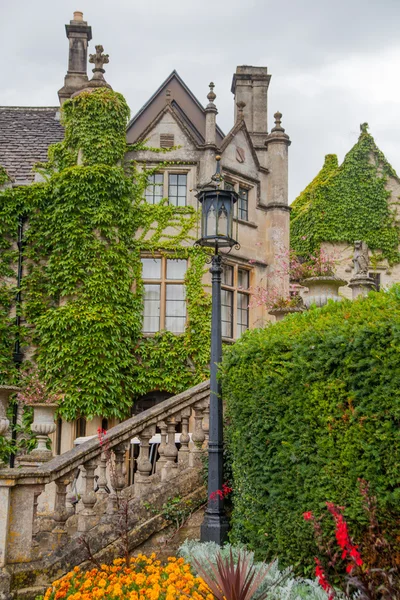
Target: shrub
[
  {"x": 313, "y": 405},
  {"x": 281, "y": 584},
  {"x": 143, "y": 578}
]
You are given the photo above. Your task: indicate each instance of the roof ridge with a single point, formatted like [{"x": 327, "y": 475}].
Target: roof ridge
[{"x": 30, "y": 107}]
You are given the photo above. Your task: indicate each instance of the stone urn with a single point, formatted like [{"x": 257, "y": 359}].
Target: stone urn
[
  {"x": 280, "y": 313},
  {"x": 321, "y": 289},
  {"x": 43, "y": 425}
]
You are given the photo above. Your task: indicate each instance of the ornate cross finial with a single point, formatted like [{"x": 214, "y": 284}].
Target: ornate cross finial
[
  {"x": 364, "y": 127},
  {"x": 211, "y": 95},
  {"x": 240, "y": 105},
  {"x": 99, "y": 59},
  {"x": 168, "y": 96}
]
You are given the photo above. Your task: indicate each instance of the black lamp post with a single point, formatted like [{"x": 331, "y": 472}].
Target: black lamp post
[{"x": 216, "y": 232}]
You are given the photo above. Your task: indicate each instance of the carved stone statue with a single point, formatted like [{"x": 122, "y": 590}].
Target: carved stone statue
[
  {"x": 99, "y": 59},
  {"x": 361, "y": 259}
]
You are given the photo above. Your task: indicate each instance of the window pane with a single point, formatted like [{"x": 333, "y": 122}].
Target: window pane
[
  {"x": 175, "y": 324},
  {"x": 151, "y": 268},
  {"x": 227, "y": 313},
  {"x": 243, "y": 279},
  {"x": 242, "y": 313},
  {"x": 154, "y": 190},
  {"x": 227, "y": 275},
  {"x": 175, "y": 292},
  {"x": 243, "y": 204},
  {"x": 175, "y": 308},
  {"x": 151, "y": 320},
  {"x": 176, "y": 269},
  {"x": 177, "y": 189}
]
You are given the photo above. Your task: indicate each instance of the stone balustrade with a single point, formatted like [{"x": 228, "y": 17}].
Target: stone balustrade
[{"x": 20, "y": 526}]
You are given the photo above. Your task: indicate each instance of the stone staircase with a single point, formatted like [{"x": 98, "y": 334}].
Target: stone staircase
[{"x": 43, "y": 535}]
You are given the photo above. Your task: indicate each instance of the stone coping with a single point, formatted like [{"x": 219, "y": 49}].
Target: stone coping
[
  {"x": 286, "y": 309},
  {"x": 123, "y": 432},
  {"x": 324, "y": 279},
  {"x": 13, "y": 388}
]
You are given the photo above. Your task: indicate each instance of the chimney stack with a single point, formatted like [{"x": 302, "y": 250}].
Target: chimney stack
[
  {"x": 79, "y": 33},
  {"x": 250, "y": 85}
]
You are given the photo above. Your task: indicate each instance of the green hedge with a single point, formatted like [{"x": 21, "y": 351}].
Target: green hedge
[{"x": 313, "y": 404}]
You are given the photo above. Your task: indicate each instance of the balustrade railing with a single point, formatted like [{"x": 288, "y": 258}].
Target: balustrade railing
[{"x": 102, "y": 464}]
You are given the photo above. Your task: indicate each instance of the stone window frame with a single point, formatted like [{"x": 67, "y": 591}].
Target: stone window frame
[
  {"x": 163, "y": 282},
  {"x": 164, "y": 186},
  {"x": 235, "y": 292},
  {"x": 241, "y": 213}
]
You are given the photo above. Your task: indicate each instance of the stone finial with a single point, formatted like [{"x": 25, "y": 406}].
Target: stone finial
[
  {"x": 99, "y": 59},
  {"x": 240, "y": 114},
  {"x": 278, "y": 122},
  {"x": 364, "y": 127},
  {"x": 211, "y": 94},
  {"x": 168, "y": 96}
]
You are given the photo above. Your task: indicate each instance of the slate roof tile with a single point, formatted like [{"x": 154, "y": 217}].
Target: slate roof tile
[{"x": 25, "y": 134}]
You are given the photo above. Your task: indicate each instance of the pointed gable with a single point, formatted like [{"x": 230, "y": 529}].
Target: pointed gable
[
  {"x": 238, "y": 152},
  {"x": 349, "y": 202},
  {"x": 188, "y": 110}
]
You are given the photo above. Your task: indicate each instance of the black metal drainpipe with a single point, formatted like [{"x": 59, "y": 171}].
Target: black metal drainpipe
[{"x": 17, "y": 354}]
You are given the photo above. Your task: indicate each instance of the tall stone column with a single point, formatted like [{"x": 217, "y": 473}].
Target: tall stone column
[
  {"x": 276, "y": 205},
  {"x": 207, "y": 164},
  {"x": 79, "y": 33}
]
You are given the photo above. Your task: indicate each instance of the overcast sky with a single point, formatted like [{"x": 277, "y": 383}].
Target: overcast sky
[{"x": 334, "y": 65}]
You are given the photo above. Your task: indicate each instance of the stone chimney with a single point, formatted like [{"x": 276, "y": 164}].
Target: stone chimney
[
  {"x": 250, "y": 85},
  {"x": 79, "y": 33}
]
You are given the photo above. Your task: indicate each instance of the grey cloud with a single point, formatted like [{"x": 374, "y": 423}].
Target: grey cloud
[{"x": 205, "y": 41}]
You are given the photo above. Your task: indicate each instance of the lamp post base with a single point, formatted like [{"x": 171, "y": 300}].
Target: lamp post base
[{"x": 214, "y": 528}]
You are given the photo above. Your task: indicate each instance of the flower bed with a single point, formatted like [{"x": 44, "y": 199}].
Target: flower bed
[{"x": 144, "y": 578}]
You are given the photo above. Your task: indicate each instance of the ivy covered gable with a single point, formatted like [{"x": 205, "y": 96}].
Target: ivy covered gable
[{"x": 349, "y": 202}]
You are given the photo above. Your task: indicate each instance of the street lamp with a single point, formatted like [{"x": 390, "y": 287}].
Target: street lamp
[{"x": 217, "y": 207}]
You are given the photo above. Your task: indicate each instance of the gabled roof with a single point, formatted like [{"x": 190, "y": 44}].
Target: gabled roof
[
  {"x": 183, "y": 101},
  {"x": 25, "y": 134},
  {"x": 240, "y": 125}
]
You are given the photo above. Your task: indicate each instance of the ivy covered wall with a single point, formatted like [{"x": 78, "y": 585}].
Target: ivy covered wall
[
  {"x": 349, "y": 202},
  {"x": 83, "y": 293}
]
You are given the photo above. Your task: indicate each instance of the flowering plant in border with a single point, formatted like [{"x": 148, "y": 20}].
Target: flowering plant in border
[
  {"x": 361, "y": 575},
  {"x": 144, "y": 579},
  {"x": 34, "y": 390}
]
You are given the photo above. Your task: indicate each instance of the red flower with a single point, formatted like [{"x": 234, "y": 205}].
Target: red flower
[
  {"x": 307, "y": 516},
  {"x": 322, "y": 580}
]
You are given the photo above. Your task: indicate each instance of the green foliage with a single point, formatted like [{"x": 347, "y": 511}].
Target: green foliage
[
  {"x": 348, "y": 203},
  {"x": 314, "y": 404},
  {"x": 4, "y": 178},
  {"x": 83, "y": 293}
]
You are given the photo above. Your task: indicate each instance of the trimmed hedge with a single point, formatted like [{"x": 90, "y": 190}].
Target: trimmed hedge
[{"x": 313, "y": 404}]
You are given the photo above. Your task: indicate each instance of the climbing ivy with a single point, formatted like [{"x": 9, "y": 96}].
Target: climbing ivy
[
  {"x": 83, "y": 290},
  {"x": 347, "y": 203}
]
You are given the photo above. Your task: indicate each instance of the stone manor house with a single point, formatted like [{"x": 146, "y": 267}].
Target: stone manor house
[{"x": 254, "y": 162}]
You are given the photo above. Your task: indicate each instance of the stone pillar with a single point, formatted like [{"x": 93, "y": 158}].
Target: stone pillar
[
  {"x": 118, "y": 476},
  {"x": 250, "y": 88},
  {"x": 170, "y": 452},
  {"x": 79, "y": 34},
  {"x": 198, "y": 437},
  {"x": 183, "y": 454},
  {"x": 142, "y": 476},
  {"x": 276, "y": 205},
  {"x": 21, "y": 521},
  {"x": 207, "y": 165},
  {"x": 87, "y": 517},
  {"x": 361, "y": 285},
  {"x": 161, "y": 448}
]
